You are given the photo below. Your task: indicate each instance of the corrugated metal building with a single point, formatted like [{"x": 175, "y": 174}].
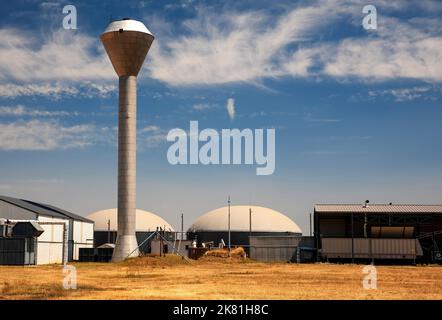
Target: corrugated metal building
[
  {"x": 64, "y": 232},
  {"x": 18, "y": 242},
  {"x": 274, "y": 248},
  {"x": 378, "y": 231},
  {"x": 282, "y": 248}
]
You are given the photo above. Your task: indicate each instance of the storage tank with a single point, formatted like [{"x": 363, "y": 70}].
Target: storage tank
[
  {"x": 262, "y": 221},
  {"x": 106, "y": 226}
]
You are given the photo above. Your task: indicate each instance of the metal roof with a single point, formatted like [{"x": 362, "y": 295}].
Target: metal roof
[
  {"x": 379, "y": 208},
  {"x": 43, "y": 209},
  {"x": 127, "y": 25}
]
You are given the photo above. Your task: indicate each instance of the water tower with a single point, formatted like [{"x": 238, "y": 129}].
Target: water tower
[{"x": 127, "y": 42}]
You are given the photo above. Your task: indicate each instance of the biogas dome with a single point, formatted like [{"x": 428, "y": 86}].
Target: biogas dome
[{"x": 245, "y": 221}]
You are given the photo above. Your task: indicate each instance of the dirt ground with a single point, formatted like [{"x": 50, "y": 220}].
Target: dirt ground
[{"x": 216, "y": 278}]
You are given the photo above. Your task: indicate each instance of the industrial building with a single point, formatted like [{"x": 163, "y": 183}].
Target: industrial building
[
  {"x": 64, "y": 233},
  {"x": 18, "y": 242},
  {"x": 245, "y": 221},
  {"x": 106, "y": 227},
  {"x": 178, "y": 246},
  {"x": 282, "y": 249},
  {"x": 371, "y": 232}
]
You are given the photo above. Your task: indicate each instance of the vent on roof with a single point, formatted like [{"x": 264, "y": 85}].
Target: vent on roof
[{"x": 366, "y": 204}]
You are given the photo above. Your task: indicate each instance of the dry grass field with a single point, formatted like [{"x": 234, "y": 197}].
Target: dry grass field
[{"x": 216, "y": 278}]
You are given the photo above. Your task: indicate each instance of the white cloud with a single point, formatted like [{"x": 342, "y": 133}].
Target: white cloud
[
  {"x": 44, "y": 135},
  {"x": 151, "y": 128},
  {"x": 202, "y": 106},
  {"x": 233, "y": 47},
  {"x": 52, "y": 90},
  {"x": 68, "y": 56},
  {"x": 91, "y": 90},
  {"x": 151, "y": 136},
  {"x": 62, "y": 63},
  {"x": 231, "y": 108},
  {"x": 229, "y": 47},
  {"x": 393, "y": 56},
  {"x": 20, "y": 111},
  {"x": 406, "y": 94},
  {"x": 57, "y": 90}
]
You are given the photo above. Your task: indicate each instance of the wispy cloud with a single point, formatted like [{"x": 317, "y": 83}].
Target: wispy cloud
[
  {"x": 92, "y": 90},
  {"x": 269, "y": 114},
  {"x": 233, "y": 46},
  {"x": 44, "y": 135},
  {"x": 325, "y": 120},
  {"x": 61, "y": 63},
  {"x": 21, "y": 111},
  {"x": 51, "y": 90},
  {"x": 57, "y": 90},
  {"x": 151, "y": 128},
  {"x": 202, "y": 106},
  {"x": 151, "y": 136},
  {"x": 60, "y": 56},
  {"x": 231, "y": 108},
  {"x": 223, "y": 48},
  {"x": 229, "y": 46},
  {"x": 406, "y": 94},
  {"x": 48, "y": 135}
]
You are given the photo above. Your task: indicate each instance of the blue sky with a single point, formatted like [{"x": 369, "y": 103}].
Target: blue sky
[{"x": 357, "y": 112}]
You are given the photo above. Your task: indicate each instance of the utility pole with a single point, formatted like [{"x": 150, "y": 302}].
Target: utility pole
[
  {"x": 310, "y": 215},
  {"x": 108, "y": 231},
  {"x": 250, "y": 227},
  {"x": 228, "y": 226},
  {"x": 182, "y": 226},
  {"x": 250, "y": 222}
]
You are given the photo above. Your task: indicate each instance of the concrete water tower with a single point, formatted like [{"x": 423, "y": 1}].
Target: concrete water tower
[{"x": 126, "y": 42}]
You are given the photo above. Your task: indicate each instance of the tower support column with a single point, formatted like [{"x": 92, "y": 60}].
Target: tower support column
[{"x": 126, "y": 243}]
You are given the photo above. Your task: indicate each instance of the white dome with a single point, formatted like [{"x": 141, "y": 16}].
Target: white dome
[
  {"x": 263, "y": 220},
  {"x": 127, "y": 25},
  {"x": 145, "y": 221}
]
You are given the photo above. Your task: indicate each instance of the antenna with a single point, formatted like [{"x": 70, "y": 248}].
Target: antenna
[
  {"x": 182, "y": 225},
  {"x": 108, "y": 231},
  {"x": 250, "y": 223},
  {"x": 228, "y": 228}
]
